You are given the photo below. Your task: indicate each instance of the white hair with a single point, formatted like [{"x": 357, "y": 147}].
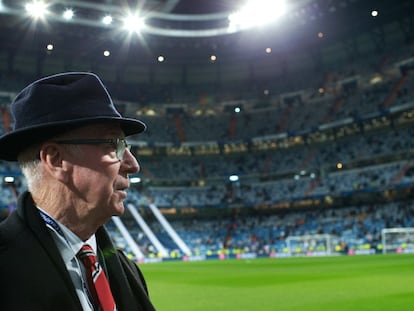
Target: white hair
[
  {"x": 32, "y": 168},
  {"x": 29, "y": 163}
]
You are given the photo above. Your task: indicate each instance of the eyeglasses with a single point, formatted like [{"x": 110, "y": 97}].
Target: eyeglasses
[{"x": 119, "y": 144}]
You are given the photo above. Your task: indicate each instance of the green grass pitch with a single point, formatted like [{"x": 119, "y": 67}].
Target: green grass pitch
[{"x": 352, "y": 283}]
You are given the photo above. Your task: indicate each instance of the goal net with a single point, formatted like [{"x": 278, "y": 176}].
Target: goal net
[
  {"x": 397, "y": 240},
  {"x": 310, "y": 245}
]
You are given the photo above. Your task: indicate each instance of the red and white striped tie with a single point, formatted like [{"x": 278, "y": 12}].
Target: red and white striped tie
[{"x": 97, "y": 281}]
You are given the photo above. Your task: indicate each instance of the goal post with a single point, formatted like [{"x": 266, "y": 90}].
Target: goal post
[
  {"x": 310, "y": 245},
  {"x": 397, "y": 240}
]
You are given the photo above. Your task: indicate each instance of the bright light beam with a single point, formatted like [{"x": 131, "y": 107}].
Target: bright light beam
[
  {"x": 257, "y": 13},
  {"x": 36, "y": 9},
  {"x": 134, "y": 23}
]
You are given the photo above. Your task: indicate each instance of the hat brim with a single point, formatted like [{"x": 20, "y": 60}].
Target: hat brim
[{"x": 15, "y": 142}]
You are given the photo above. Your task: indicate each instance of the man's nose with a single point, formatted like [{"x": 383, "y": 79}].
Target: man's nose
[{"x": 130, "y": 163}]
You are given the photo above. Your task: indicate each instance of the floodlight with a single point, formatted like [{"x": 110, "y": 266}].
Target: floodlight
[
  {"x": 107, "y": 20},
  {"x": 233, "y": 178},
  {"x": 134, "y": 23},
  {"x": 256, "y": 13},
  {"x": 68, "y": 14},
  {"x": 36, "y": 9}
]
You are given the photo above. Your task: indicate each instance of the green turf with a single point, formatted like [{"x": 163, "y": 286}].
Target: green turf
[{"x": 357, "y": 283}]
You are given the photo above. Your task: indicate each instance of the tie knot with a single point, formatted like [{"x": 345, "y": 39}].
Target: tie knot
[{"x": 87, "y": 253}]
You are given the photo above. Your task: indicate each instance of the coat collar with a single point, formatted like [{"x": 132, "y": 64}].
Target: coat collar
[{"x": 29, "y": 213}]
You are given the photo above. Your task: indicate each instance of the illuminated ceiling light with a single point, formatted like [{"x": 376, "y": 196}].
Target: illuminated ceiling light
[
  {"x": 135, "y": 180},
  {"x": 376, "y": 79},
  {"x": 134, "y": 23},
  {"x": 106, "y": 53},
  {"x": 374, "y": 13},
  {"x": 36, "y": 9},
  {"x": 237, "y": 109},
  {"x": 8, "y": 179},
  {"x": 213, "y": 58},
  {"x": 233, "y": 178},
  {"x": 68, "y": 14},
  {"x": 107, "y": 19},
  {"x": 268, "y": 50},
  {"x": 320, "y": 34},
  {"x": 257, "y": 13},
  {"x": 161, "y": 58},
  {"x": 50, "y": 47}
]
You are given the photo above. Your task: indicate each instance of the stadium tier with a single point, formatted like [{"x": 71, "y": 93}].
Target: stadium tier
[{"x": 305, "y": 152}]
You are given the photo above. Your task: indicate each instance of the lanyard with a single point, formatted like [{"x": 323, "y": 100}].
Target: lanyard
[{"x": 51, "y": 223}]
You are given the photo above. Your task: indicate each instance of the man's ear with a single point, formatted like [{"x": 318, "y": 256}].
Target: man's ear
[{"x": 51, "y": 155}]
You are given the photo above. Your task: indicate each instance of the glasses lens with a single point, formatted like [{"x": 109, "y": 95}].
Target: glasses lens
[{"x": 121, "y": 147}]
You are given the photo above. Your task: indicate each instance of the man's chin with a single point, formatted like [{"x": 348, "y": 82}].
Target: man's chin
[{"x": 117, "y": 208}]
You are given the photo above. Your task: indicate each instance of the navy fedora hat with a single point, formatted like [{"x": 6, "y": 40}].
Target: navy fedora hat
[{"x": 59, "y": 103}]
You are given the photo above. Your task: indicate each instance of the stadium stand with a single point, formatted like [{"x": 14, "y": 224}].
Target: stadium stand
[
  {"x": 318, "y": 152},
  {"x": 375, "y": 161}
]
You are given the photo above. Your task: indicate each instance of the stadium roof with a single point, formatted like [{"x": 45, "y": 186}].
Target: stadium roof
[{"x": 179, "y": 31}]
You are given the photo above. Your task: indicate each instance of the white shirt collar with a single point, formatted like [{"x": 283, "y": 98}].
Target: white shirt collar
[{"x": 69, "y": 244}]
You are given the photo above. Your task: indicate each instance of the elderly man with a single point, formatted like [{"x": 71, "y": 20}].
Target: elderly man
[{"x": 55, "y": 253}]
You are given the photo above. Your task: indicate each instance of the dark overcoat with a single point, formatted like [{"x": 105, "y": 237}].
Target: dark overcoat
[{"x": 33, "y": 276}]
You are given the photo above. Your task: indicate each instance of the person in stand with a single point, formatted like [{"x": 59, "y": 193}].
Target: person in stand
[{"x": 55, "y": 253}]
